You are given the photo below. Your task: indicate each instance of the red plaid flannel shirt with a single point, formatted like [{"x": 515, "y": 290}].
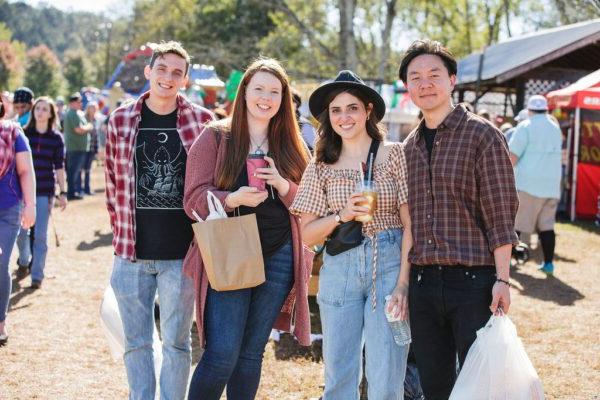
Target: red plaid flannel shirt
[{"x": 119, "y": 171}]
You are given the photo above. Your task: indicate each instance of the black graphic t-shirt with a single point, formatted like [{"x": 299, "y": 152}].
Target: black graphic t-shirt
[{"x": 163, "y": 230}]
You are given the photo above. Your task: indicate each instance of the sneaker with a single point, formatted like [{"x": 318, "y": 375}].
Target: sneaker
[
  {"x": 36, "y": 285},
  {"x": 547, "y": 268}
]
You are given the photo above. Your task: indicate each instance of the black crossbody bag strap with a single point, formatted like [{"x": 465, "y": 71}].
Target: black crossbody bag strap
[{"x": 348, "y": 235}]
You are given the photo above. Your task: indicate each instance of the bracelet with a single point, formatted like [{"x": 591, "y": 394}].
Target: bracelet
[{"x": 503, "y": 281}]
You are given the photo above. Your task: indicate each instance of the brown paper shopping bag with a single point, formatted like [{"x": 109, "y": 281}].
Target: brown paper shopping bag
[{"x": 231, "y": 252}]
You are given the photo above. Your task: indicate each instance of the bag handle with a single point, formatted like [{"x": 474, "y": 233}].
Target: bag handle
[{"x": 214, "y": 205}]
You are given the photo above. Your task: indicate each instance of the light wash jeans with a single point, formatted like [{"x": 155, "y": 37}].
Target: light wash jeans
[
  {"x": 135, "y": 285},
  {"x": 349, "y": 321},
  {"x": 10, "y": 221},
  {"x": 40, "y": 240}
]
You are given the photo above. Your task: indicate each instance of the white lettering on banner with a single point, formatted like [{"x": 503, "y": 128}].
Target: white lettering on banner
[{"x": 591, "y": 101}]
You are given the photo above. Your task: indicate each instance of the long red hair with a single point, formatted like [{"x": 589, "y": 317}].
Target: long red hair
[{"x": 286, "y": 146}]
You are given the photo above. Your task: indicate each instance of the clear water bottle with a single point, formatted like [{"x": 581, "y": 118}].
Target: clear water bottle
[{"x": 400, "y": 328}]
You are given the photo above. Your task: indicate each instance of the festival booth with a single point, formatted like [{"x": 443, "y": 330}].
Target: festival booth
[
  {"x": 579, "y": 106},
  {"x": 205, "y": 85}
]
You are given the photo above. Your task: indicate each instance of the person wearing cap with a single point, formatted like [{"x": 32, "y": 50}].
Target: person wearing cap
[
  {"x": 536, "y": 153},
  {"x": 22, "y": 103},
  {"x": 522, "y": 116},
  {"x": 77, "y": 144},
  {"x": 462, "y": 201},
  {"x": 354, "y": 284}
]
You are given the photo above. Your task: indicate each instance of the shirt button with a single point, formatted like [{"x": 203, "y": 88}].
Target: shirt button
[
  {"x": 428, "y": 215},
  {"x": 440, "y": 267},
  {"x": 437, "y": 143},
  {"x": 429, "y": 241}
]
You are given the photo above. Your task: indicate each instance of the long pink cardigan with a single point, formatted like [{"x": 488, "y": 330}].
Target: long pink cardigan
[{"x": 204, "y": 160}]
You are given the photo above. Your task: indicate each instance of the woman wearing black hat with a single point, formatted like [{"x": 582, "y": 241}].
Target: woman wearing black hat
[{"x": 357, "y": 276}]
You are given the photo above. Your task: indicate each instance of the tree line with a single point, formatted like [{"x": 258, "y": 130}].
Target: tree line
[{"x": 56, "y": 52}]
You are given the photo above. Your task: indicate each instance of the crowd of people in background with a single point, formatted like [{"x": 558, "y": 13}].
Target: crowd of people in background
[{"x": 47, "y": 157}]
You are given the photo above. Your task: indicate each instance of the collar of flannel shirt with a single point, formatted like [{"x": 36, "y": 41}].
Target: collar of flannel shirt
[
  {"x": 182, "y": 103},
  {"x": 451, "y": 122}
]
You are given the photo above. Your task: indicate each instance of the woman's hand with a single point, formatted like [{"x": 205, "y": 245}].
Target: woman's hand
[
  {"x": 272, "y": 177},
  {"x": 28, "y": 216},
  {"x": 399, "y": 300},
  {"x": 351, "y": 210},
  {"x": 246, "y": 196}
]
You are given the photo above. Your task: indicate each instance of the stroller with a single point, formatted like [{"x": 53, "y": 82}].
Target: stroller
[{"x": 519, "y": 254}]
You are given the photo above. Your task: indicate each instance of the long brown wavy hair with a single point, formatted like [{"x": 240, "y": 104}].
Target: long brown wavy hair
[
  {"x": 285, "y": 142},
  {"x": 53, "y": 114},
  {"x": 329, "y": 144}
]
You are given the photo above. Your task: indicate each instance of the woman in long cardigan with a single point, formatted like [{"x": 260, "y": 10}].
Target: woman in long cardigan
[{"x": 234, "y": 326}]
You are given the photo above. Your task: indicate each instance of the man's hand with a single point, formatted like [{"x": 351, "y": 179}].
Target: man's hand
[{"x": 500, "y": 298}]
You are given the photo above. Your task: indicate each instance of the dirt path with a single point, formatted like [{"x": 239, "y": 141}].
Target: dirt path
[{"x": 57, "y": 349}]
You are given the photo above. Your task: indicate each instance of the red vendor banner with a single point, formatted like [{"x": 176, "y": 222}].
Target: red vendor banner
[
  {"x": 588, "y": 189},
  {"x": 589, "y": 152}
]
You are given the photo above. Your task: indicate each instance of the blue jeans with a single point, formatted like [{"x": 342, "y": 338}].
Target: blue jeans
[
  {"x": 9, "y": 227},
  {"x": 135, "y": 285},
  {"x": 40, "y": 240},
  {"x": 75, "y": 161},
  {"x": 87, "y": 167},
  {"x": 349, "y": 321},
  {"x": 237, "y": 325}
]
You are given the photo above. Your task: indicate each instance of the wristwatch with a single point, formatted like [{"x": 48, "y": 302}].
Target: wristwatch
[
  {"x": 62, "y": 193},
  {"x": 338, "y": 218}
]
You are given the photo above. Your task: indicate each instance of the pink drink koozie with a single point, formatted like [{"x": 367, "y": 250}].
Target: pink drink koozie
[{"x": 253, "y": 162}]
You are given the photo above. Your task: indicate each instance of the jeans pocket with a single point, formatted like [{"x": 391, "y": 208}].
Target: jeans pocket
[
  {"x": 333, "y": 280},
  {"x": 123, "y": 278}
]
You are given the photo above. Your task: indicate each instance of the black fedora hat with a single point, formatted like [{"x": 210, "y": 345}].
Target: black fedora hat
[{"x": 345, "y": 80}]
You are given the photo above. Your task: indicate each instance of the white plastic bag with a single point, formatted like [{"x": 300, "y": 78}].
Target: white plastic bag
[
  {"x": 215, "y": 208},
  {"x": 113, "y": 329},
  {"x": 497, "y": 367}
]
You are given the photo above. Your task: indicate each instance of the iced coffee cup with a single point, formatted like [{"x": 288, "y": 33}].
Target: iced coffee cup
[{"x": 369, "y": 191}]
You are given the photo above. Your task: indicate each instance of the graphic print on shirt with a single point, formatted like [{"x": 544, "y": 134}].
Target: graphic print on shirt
[{"x": 160, "y": 168}]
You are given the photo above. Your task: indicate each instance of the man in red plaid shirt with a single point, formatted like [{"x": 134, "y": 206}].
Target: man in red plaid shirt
[{"x": 146, "y": 153}]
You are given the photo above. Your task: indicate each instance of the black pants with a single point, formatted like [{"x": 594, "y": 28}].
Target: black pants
[{"x": 447, "y": 307}]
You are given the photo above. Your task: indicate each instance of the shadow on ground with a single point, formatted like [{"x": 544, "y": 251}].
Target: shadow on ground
[
  {"x": 100, "y": 240},
  {"x": 19, "y": 292},
  {"x": 548, "y": 288}
]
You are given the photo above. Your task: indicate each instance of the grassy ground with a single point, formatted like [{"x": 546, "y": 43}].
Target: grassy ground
[{"x": 57, "y": 349}]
